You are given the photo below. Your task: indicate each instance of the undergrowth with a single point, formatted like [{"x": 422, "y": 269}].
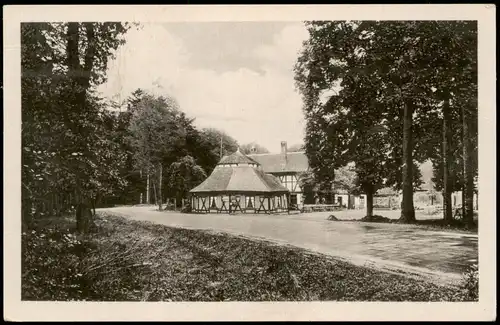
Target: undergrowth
[{"x": 140, "y": 261}]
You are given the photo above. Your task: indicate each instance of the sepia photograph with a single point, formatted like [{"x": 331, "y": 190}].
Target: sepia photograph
[{"x": 259, "y": 161}]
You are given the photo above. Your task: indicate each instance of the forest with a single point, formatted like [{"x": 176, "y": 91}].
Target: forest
[
  {"x": 81, "y": 151},
  {"x": 379, "y": 97}
]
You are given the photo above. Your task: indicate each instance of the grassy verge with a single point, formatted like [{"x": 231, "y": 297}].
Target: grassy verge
[
  {"x": 430, "y": 224},
  {"x": 455, "y": 226},
  {"x": 139, "y": 261}
]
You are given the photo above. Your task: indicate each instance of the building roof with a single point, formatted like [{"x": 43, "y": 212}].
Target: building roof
[
  {"x": 237, "y": 158},
  {"x": 240, "y": 179},
  {"x": 273, "y": 162},
  {"x": 235, "y": 173}
]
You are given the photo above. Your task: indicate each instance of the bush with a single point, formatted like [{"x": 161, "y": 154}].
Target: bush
[
  {"x": 376, "y": 218},
  {"x": 187, "y": 209},
  {"x": 51, "y": 264},
  {"x": 470, "y": 283}
]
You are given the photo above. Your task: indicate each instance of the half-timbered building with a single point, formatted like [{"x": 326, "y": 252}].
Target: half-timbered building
[
  {"x": 239, "y": 184},
  {"x": 287, "y": 167}
]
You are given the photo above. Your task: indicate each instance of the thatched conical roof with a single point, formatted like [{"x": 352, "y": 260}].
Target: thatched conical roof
[
  {"x": 238, "y": 173},
  {"x": 237, "y": 158}
]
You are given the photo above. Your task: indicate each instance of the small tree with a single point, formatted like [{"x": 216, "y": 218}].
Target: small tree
[
  {"x": 308, "y": 184},
  {"x": 182, "y": 176},
  {"x": 346, "y": 180}
]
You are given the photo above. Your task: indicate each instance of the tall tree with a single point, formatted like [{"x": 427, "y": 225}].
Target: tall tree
[
  {"x": 465, "y": 39},
  {"x": 352, "y": 124},
  {"x": 395, "y": 69},
  {"x": 61, "y": 65},
  {"x": 455, "y": 80},
  {"x": 219, "y": 142},
  {"x": 155, "y": 135}
]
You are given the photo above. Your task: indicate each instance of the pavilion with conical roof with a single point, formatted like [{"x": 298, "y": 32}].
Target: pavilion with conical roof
[{"x": 238, "y": 184}]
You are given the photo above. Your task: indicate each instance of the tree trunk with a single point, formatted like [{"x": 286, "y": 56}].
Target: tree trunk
[
  {"x": 468, "y": 172},
  {"x": 154, "y": 192},
  {"x": 408, "y": 210},
  {"x": 369, "y": 203},
  {"x": 73, "y": 62},
  {"x": 80, "y": 80},
  {"x": 94, "y": 202},
  {"x": 160, "y": 177},
  {"x": 72, "y": 59},
  {"x": 447, "y": 157},
  {"x": 462, "y": 208},
  {"x": 147, "y": 189},
  {"x": 84, "y": 217}
]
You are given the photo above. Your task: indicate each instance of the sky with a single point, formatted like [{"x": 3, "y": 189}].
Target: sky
[{"x": 234, "y": 76}]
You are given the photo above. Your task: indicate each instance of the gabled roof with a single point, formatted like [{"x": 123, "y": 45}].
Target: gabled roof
[
  {"x": 237, "y": 158},
  {"x": 240, "y": 179},
  {"x": 273, "y": 162}
]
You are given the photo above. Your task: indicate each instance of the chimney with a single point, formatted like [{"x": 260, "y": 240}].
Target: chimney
[
  {"x": 283, "y": 155},
  {"x": 283, "y": 147}
]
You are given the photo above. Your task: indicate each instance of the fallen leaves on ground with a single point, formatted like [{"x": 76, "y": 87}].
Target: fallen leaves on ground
[{"x": 141, "y": 261}]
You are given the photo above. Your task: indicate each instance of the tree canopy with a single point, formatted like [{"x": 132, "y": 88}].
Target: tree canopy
[
  {"x": 375, "y": 93},
  {"x": 78, "y": 149},
  {"x": 69, "y": 156}
]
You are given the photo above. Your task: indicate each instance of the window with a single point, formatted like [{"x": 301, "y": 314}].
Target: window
[
  {"x": 362, "y": 201},
  {"x": 250, "y": 202}
]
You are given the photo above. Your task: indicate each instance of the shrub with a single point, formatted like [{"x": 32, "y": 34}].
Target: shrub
[
  {"x": 470, "y": 283},
  {"x": 375, "y": 218},
  {"x": 187, "y": 209},
  {"x": 51, "y": 264}
]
